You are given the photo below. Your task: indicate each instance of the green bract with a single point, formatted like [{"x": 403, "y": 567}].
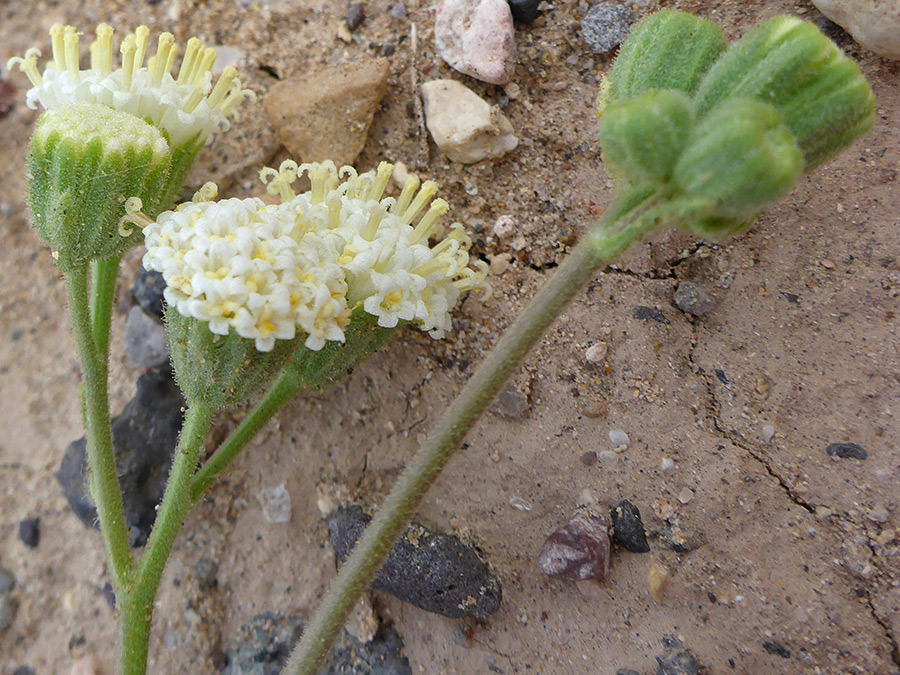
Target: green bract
[
  {"x": 740, "y": 157},
  {"x": 84, "y": 161}
]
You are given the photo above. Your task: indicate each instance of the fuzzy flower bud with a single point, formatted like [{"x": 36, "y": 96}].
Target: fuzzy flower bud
[
  {"x": 84, "y": 161},
  {"x": 823, "y": 97}
]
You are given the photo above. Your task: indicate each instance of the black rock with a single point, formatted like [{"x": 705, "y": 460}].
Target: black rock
[
  {"x": 777, "y": 649},
  {"x": 524, "y": 11},
  {"x": 433, "y": 571},
  {"x": 606, "y": 26},
  {"x": 263, "y": 645},
  {"x": 627, "y": 671},
  {"x": 845, "y": 450},
  {"x": 628, "y": 528},
  {"x": 693, "y": 299},
  {"x": 30, "y": 532},
  {"x": 642, "y": 313},
  {"x": 679, "y": 663},
  {"x": 148, "y": 292},
  {"x": 356, "y": 14},
  {"x": 24, "y": 670},
  {"x": 383, "y": 655},
  {"x": 144, "y": 435}
]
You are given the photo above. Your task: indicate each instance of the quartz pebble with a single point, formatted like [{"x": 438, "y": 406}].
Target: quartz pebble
[
  {"x": 463, "y": 125},
  {"x": 276, "y": 504},
  {"x": 618, "y": 437},
  {"x": 504, "y": 227},
  {"x": 875, "y": 24},
  {"x": 86, "y": 665},
  {"x": 606, "y": 26},
  {"x": 578, "y": 550},
  {"x": 596, "y": 352},
  {"x": 686, "y": 495},
  {"x": 398, "y": 11},
  {"x": 666, "y": 464},
  {"x": 519, "y": 504},
  {"x": 657, "y": 576},
  {"x": 476, "y": 38}
]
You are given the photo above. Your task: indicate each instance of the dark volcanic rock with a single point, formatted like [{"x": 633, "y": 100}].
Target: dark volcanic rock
[
  {"x": 433, "y": 571},
  {"x": 845, "y": 450},
  {"x": 777, "y": 649},
  {"x": 148, "y": 292},
  {"x": 383, "y": 655},
  {"x": 693, "y": 299},
  {"x": 263, "y": 645},
  {"x": 676, "y": 660},
  {"x": 144, "y": 436},
  {"x": 30, "y": 532},
  {"x": 643, "y": 313},
  {"x": 628, "y": 528},
  {"x": 524, "y": 11}
]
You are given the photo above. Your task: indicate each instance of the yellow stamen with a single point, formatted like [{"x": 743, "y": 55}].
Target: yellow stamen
[
  {"x": 141, "y": 35},
  {"x": 170, "y": 61},
  {"x": 157, "y": 65},
  {"x": 375, "y": 217},
  {"x": 279, "y": 182},
  {"x": 193, "y": 101},
  {"x": 207, "y": 192},
  {"x": 203, "y": 65},
  {"x": 101, "y": 49},
  {"x": 429, "y": 190},
  {"x": 323, "y": 179},
  {"x": 70, "y": 44},
  {"x": 382, "y": 176},
  {"x": 134, "y": 216},
  {"x": 59, "y": 52},
  {"x": 222, "y": 86},
  {"x": 190, "y": 55},
  {"x": 235, "y": 98},
  {"x": 128, "y": 49},
  {"x": 423, "y": 230},
  {"x": 406, "y": 195},
  {"x": 335, "y": 205},
  {"x": 28, "y": 65}
]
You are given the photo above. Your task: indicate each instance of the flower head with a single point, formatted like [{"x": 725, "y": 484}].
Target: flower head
[{"x": 186, "y": 106}]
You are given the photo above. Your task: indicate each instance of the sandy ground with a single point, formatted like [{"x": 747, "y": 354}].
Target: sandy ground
[{"x": 803, "y": 338}]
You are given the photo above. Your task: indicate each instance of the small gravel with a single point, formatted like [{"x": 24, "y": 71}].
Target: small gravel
[
  {"x": 693, "y": 299},
  {"x": 606, "y": 26}
]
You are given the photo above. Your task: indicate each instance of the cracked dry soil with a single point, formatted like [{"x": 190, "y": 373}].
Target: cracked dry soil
[{"x": 795, "y": 573}]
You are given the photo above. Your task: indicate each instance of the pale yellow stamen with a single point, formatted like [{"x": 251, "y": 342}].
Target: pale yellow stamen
[
  {"x": 142, "y": 33},
  {"x": 59, "y": 51},
  {"x": 28, "y": 65},
  {"x": 406, "y": 194},
  {"x": 206, "y": 193},
  {"x": 128, "y": 49},
  {"x": 170, "y": 61},
  {"x": 101, "y": 49},
  {"x": 134, "y": 216},
  {"x": 157, "y": 65},
  {"x": 382, "y": 176},
  {"x": 70, "y": 44},
  {"x": 429, "y": 190},
  {"x": 375, "y": 217},
  {"x": 203, "y": 65},
  {"x": 222, "y": 86},
  {"x": 191, "y": 53},
  {"x": 323, "y": 179},
  {"x": 335, "y": 205},
  {"x": 424, "y": 229},
  {"x": 236, "y": 97},
  {"x": 279, "y": 182},
  {"x": 193, "y": 101}
]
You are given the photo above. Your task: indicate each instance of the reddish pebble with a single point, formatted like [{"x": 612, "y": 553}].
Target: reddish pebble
[
  {"x": 355, "y": 16},
  {"x": 579, "y": 550}
]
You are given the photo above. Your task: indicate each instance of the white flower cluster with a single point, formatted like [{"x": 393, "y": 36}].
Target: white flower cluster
[
  {"x": 306, "y": 263},
  {"x": 188, "y": 107}
]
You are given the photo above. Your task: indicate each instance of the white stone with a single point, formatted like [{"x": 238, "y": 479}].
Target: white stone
[
  {"x": 666, "y": 464},
  {"x": 618, "y": 437},
  {"x": 504, "y": 227},
  {"x": 875, "y": 24},
  {"x": 768, "y": 433},
  {"x": 596, "y": 353},
  {"x": 476, "y": 37},
  {"x": 463, "y": 125},
  {"x": 276, "y": 504}
]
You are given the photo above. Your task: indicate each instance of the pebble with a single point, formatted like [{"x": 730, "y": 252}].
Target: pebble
[
  {"x": 504, "y": 227},
  {"x": 875, "y": 24},
  {"x": 589, "y": 458},
  {"x": 8, "y": 608},
  {"x": 24, "y": 670},
  {"x": 666, "y": 464},
  {"x": 677, "y": 663},
  {"x": 878, "y": 514},
  {"x": 606, "y": 26},
  {"x": 398, "y": 11},
  {"x": 524, "y": 11},
  {"x": 768, "y": 433},
  {"x": 627, "y": 671},
  {"x": 657, "y": 575},
  {"x": 433, "y": 571},
  {"x": 681, "y": 539},
  {"x": 693, "y": 299},
  {"x": 628, "y": 528},
  {"x": 607, "y": 456},
  {"x": 86, "y": 665},
  {"x": 148, "y": 292},
  {"x": 263, "y": 644},
  {"x": 642, "y": 313},
  {"x": 327, "y": 114},
  {"x": 579, "y": 550},
  {"x": 463, "y": 125},
  {"x": 476, "y": 37},
  {"x": 30, "y": 532},
  {"x": 356, "y": 14},
  {"x": 510, "y": 403},
  {"x": 144, "y": 437},
  {"x": 276, "y": 504},
  {"x": 226, "y": 55},
  {"x": 596, "y": 352},
  {"x": 520, "y": 504},
  {"x": 686, "y": 495},
  {"x": 846, "y": 450},
  {"x": 460, "y": 637},
  {"x": 146, "y": 341},
  {"x": 618, "y": 437},
  {"x": 7, "y": 581},
  {"x": 777, "y": 649}
]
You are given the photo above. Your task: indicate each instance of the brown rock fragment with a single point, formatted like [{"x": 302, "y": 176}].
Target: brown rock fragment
[
  {"x": 327, "y": 114},
  {"x": 579, "y": 550}
]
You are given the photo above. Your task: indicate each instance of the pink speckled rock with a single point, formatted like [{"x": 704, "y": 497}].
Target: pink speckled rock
[{"x": 476, "y": 38}]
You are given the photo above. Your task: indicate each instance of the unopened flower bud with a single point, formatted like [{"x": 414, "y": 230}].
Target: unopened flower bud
[
  {"x": 739, "y": 159},
  {"x": 84, "y": 161},
  {"x": 823, "y": 97},
  {"x": 643, "y": 137},
  {"x": 666, "y": 50}
]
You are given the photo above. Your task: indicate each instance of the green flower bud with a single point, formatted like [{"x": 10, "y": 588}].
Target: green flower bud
[
  {"x": 85, "y": 160},
  {"x": 822, "y": 96},
  {"x": 740, "y": 158},
  {"x": 643, "y": 137},
  {"x": 221, "y": 371},
  {"x": 666, "y": 50}
]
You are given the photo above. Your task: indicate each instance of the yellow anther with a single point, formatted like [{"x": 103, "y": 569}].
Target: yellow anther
[
  {"x": 134, "y": 216},
  {"x": 164, "y": 46},
  {"x": 28, "y": 65},
  {"x": 141, "y": 34},
  {"x": 423, "y": 230},
  {"x": 382, "y": 176},
  {"x": 202, "y": 66},
  {"x": 234, "y": 99},
  {"x": 406, "y": 195},
  {"x": 206, "y": 193},
  {"x": 101, "y": 49},
  {"x": 59, "y": 51},
  {"x": 190, "y": 55},
  {"x": 173, "y": 53},
  {"x": 222, "y": 86},
  {"x": 70, "y": 44},
  {"x": 429, "y": 190},
  {"x": 128, "y": 49},
  {"x": 323, "y": 179}
]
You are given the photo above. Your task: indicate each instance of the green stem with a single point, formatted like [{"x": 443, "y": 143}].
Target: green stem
[
  {"x": 136, "y": 606},
  {"x": 286, "y": 387},
  {"x": 104, "y": 274},
  {"x": 104, "y": 483},
  {"x": 603, "y": 244}
]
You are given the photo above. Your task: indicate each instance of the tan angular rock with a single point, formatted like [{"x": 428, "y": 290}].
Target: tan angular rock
[
  {"x": 875, "y": 24},
  {"x": 327, "y": 114},
  {"x": 463, "y": 125}
]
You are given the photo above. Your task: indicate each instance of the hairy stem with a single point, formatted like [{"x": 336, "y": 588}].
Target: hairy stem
[
  {"x": 104, "y": 483},
  {"x": 136, "y": 606},
  {"x": 104, "y": 274},
  {"x": 604, "y": 243}
]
